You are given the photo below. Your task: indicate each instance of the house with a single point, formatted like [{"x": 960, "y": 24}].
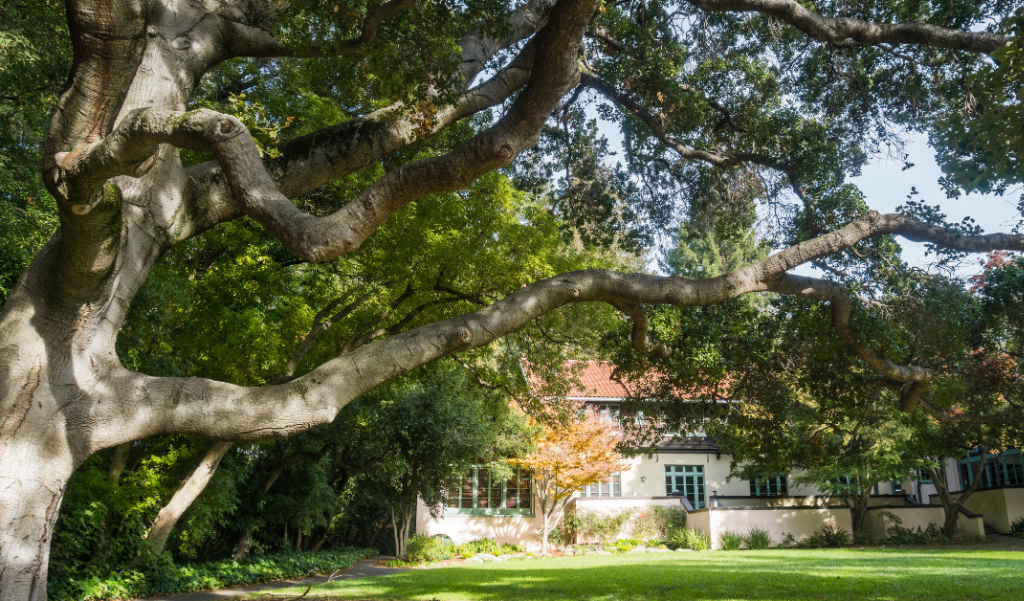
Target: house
[{"x": 691, "y": 471}]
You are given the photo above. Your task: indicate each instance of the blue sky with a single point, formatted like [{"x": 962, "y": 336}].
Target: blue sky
[{"x": 886, "y": 186}]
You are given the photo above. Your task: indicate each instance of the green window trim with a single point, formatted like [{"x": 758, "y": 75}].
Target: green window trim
[
  {"x": 1005, "y": 469},
  {"x": 476, "y": 493},
  {"x": 689, "y": 480},
  {"x": 777, "y": 486}
]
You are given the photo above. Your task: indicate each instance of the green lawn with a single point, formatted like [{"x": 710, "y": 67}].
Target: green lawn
[{"x": 744, "y": 575}]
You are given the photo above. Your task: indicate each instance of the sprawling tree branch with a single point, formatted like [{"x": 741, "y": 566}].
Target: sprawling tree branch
[
  {"x": 684, "y": 151},
  {"x": 226, "y": 412},
  {"x": 322, "y": 238},
  {"x": 827, "y": 29},
  {"x": 266, "y": 45}
]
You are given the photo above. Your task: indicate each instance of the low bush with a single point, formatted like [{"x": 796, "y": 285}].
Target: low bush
[
  {"x": 649, "y": 522},
  {"x": 835, "y": 536},
  {"x": 865, "y": 538},
  {"x": 829, "y": 536},
  {"x": 484, "y": 545},
  {"x": 170, "y": 579},
  {"x": 1017, "y": 528},
  {"x": 758, "y": 539},
  {"x": 624, "y": 546},
  {"x": 425, "y": 549},
  {"x": 731, "y": 541},
  {"x": 509, "y": 548},
  {"x": 687, "y": 538}
]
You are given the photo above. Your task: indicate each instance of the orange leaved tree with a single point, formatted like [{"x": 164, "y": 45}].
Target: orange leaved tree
[{"x": 569, "y": 457}]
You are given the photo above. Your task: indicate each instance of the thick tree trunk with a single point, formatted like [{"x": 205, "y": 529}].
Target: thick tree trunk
[
  {"x": 244, "y": 542},
  {"x": 859, "y": 508},
  {"x": 32, "y": 493},
  {"x": 951, "y": 506},
  {"x": 185, "y": 495}
]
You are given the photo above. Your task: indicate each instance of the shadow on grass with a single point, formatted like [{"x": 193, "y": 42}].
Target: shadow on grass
[{"x": 753, "y": 576}]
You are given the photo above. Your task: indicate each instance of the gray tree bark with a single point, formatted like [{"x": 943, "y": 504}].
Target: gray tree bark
[
  {"x": 183, "y": 498},
  {"x": 111, "y": 161}
]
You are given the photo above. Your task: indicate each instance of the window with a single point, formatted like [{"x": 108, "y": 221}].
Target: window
[
  {"x": 609, "y": 488},
  {"x": 477, "y": 493},
  {"x": 1006, "y": 469},
  {"x": 769, "y": 487},
  {"x": 897, "y": 487},
  {"x": 608, "y": 413},
  {"x": 923, "y": 475},
  {"x": 687, "y": 480}
]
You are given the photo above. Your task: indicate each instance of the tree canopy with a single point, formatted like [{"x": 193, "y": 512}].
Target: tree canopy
[{"x": 230, "y": 220}]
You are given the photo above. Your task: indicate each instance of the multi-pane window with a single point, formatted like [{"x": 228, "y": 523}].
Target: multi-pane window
[
  {"x": 923, "y": 475},
  {"x": 608, "y": 413},
  {"x": 609, "y": 488},
  {"x": 478, "y": 493},
  {"x": 776, "y": 486},
  {"x": 687, "y": 480},
  {"x": 1006, "y": 469},
  {"x": 897, "y": 487}
]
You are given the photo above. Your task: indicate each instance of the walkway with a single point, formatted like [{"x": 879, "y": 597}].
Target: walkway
[{"x": 362, "y": 569}]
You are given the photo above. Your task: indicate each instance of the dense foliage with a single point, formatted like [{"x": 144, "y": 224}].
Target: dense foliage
[{"x": 170, "y": 579}]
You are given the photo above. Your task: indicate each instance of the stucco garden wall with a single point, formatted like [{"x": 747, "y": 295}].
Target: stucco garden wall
[
  {"x": 518, "y": 530},
  {"x": 799, "y": 521},
  {"x": 919, "y": 516},
  {"x": 999, "y": 506}
]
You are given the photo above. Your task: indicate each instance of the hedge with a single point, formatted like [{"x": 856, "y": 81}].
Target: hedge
[{"x": 173, "y": 579}]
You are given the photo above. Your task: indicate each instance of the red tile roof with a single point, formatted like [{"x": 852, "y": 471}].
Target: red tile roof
[{"x": 595, "y": 382}]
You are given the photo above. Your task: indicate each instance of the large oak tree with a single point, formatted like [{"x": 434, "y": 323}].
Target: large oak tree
[{"x": 770, "y": 91}]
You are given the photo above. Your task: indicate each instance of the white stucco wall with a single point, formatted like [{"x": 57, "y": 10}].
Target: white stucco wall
[
  {"x": 801, "y": 522},
  {"x": 519, "y": 530},
  {"x": 999, "y": 507}
]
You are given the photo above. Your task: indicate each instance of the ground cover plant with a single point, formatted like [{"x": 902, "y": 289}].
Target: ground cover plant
[
  {"x": 881, "y": 574},
  {"x": 172, "y": 579}
]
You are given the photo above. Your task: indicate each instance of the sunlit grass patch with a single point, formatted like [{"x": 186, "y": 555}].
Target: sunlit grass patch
[{"x": 882, "y": 574}]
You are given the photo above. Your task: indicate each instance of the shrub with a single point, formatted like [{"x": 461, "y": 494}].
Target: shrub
[
  {"x": 556, "y": 536},
  {"x": 865, "y": 538},
  {"x": 484, "y": 545},
  {"x": 509, "y": 548},
  {"x": 731, "y": 541},
  {"x": 788, "y": 540},
  {"x": 624, "y": 546},
  {"x": 835, "y": 536},
  {"x": 697, "y": 540},
  {"x": 653, "y": 543},
  {"x": 1017, "y": 528},
  {"x": 758, "y": 539},
  {"x": 649, "y": 522},
  {"x": 398, "y": 563},
  {"x": 425, "y": 549},
  {"x": 686, "y": 538}
]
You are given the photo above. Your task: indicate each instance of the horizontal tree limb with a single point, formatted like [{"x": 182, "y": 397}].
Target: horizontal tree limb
[
  {"x": 155, "y": 406},
  {"x": 828, "y": 29}
]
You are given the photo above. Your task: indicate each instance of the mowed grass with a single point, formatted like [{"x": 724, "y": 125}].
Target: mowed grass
[{"x": 726, "y": 576}]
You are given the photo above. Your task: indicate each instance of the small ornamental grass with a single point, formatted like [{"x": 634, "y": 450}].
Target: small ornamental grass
[
  {"x": 688, "y": 538},
  {"x": 758, "y": 539},
  {"x": 730, "y": 540},
  {"x": 1017, "y": 528}
]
